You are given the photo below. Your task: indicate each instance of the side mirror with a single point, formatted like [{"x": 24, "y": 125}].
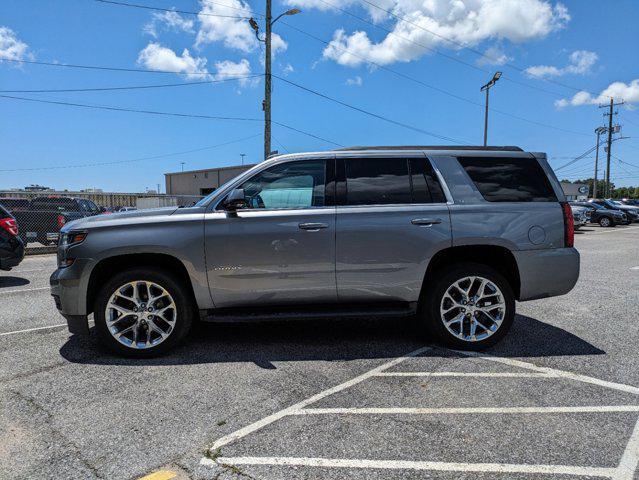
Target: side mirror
[{"x": 235, "y": 200}]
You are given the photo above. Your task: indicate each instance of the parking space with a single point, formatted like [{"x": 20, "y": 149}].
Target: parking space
[{"x": 336, "y": 399}]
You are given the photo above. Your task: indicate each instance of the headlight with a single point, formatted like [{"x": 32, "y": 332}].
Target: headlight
[{"x": 67, "y": 240}]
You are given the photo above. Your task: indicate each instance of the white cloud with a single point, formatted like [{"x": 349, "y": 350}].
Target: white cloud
[
  {"x": 229, "y": 69},
  {"x": 628, "y": 92},
  {"x": 234, "y": 33},
  {"x": 580, "y": 63},
  {"x": 170, "y": 20},
  {"x": 12, "y": 48},
  {"x": 354, "y": 82},
  {"x": 156, "y": 57},
  {"x": 465, "y": 22},
  {"x": 288, "y": 68},
  {"x": 494, "y": 56}
]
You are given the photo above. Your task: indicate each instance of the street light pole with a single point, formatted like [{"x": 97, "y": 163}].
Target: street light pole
[
  {"x": 487, "y": 89},
  {"x": 266, "y": 104}
]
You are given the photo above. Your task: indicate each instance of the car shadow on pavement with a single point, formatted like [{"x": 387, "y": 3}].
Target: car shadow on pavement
[
  {"x": 263, "y": 343},
  {"x": 9, "y": 281}
]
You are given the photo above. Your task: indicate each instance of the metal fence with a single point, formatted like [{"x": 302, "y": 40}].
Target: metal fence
[{"x": 41, "y": 215}]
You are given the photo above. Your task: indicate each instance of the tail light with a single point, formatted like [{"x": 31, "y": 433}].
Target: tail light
[
  {"x": 61, "y": 221},
  {"x": 569, "y": 225},
  {"x": 10, "y": 225}
]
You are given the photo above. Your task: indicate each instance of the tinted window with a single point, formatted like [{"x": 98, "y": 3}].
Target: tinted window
[
  {"x": 509, "y": 179},
  {"x": 377, "y": 181},
  {"x": 426, "y": 187},
  {"x": 289, "y": 185},
  {"x": 3, "y": 213}
]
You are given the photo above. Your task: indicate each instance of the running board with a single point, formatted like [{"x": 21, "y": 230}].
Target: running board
[{"x": 224, "y": 315}]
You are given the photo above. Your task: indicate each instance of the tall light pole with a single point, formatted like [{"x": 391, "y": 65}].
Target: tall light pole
[
  {"x": 266, "y": 104},
  {"x": 599, "y": 131},
  {"x": 487, "y": 89}
]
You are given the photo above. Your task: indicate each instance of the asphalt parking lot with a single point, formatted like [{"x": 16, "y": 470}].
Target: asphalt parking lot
[{"x": 332, "y": 399}]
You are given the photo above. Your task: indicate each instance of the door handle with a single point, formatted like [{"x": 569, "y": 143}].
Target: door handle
[
  {"x": 313, "y": 226},
  {"x": 427, "y": 222}
]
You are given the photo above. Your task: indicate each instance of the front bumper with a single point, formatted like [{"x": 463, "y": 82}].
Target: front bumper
[
  {"x": 546, "y": 273},
  {"x": 69, "y": 290},
  {"x": 12, "y": 254}
]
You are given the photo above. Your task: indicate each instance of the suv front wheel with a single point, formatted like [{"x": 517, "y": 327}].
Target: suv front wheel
[
  {"x": 470, "y": 306},
  {"x": 142, "y": 312}
]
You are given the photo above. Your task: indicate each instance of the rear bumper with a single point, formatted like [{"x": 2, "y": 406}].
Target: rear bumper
[
  {"x": 11, "y": 253},
  {"x": 547, "y": 273},
  {"x": 69, "y": 291}
]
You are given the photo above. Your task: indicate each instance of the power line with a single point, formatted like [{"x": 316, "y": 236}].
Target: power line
[
  {"x": 577, "y": 158},
  {"x": 133, "y": 87},
  {"x": 172, "y": 114},
  {"x": 366, "y": 112},
  {"x": 97, "y": 67},
  {"x": 147, "y": 7},
  {"x": 117, "y": 162}
]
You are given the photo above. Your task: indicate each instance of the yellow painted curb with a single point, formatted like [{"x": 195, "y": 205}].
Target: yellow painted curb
[{"x": 160, "y": 475}]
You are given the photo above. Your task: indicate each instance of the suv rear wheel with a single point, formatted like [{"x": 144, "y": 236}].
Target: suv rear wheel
[
  {"x": 470, "y": 306},
  {"x": 142, "y": 312}
]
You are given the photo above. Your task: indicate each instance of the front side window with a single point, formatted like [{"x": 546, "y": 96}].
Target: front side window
[
  {"x": 292, "y": 185},
  {"x": 509, "y": 179}
]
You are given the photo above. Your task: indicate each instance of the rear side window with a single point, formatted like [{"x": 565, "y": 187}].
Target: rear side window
[
  {"x": 391, "y": 181},
  {"x": 509, "y": 179}
]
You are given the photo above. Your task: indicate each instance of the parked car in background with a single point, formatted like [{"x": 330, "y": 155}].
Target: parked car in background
[
  {"x": 11, "y": 246},
  {"x": 603, "y": 216},
  {"x": 630, "y": 201},
  {"x": 125, "y": 209},
  {"x": 44, "y": 218},
  {"x": 449, "y": 236},
  {"x": 631, "y": 214},
  {"x": 15, "y": 204},
  {"x": 632, "y": 210},
  {"x": 580, "y": 215}
]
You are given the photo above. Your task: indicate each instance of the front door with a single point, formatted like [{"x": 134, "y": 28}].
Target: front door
[{"x": 280, "y": 249}]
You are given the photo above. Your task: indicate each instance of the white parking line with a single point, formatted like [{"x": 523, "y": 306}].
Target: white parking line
[
  {"x": 630, "y": 458},
  {"x": 559, "y": 373},
  {"x": 613, "y": 230},
  {"x": 24, "y": 290},
  {"x": 417, "y": 465},
  {"x": 468, "y": 374},
  {"x": 32, "y": 329},
  {"x": 624, "y": 471},
  {"x": 298, "y": 406},
  {"x": 465, "y": 410}
]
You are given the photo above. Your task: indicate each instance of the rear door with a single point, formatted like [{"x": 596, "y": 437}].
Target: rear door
[{"x": 392, "y": 217}]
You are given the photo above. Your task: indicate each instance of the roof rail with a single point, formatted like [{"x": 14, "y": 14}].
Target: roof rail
[{"x": 431, "y": 147}]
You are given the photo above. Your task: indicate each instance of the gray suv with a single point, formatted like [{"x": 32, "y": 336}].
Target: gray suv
[{"x": 450, "y": 237}]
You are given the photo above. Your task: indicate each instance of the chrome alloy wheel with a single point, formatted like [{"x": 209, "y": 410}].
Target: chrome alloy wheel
[
  {"x": 140, "y": 314},
  {"x": 472, "y": 308}
]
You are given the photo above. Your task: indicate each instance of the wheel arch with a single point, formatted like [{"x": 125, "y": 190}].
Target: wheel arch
[
  {"x": 109, "y": 266},
  {"x": 497, "y": 257}
]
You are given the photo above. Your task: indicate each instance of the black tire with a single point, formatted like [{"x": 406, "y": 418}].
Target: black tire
[
  {"x": 182, "y": 298},
  {"x": 429, "y": 315},
  {"x": 606, "y": 222}
]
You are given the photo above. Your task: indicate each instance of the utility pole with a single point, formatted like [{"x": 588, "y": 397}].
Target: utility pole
[
  {"x": 266, "y": 103},
  {"x": 611, "y": 112},
  {"x": 267, "y": 83},
  {"x": 598, "y": 131}
]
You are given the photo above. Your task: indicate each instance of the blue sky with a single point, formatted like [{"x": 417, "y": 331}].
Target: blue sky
[{"x": 559, "y": 60}]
